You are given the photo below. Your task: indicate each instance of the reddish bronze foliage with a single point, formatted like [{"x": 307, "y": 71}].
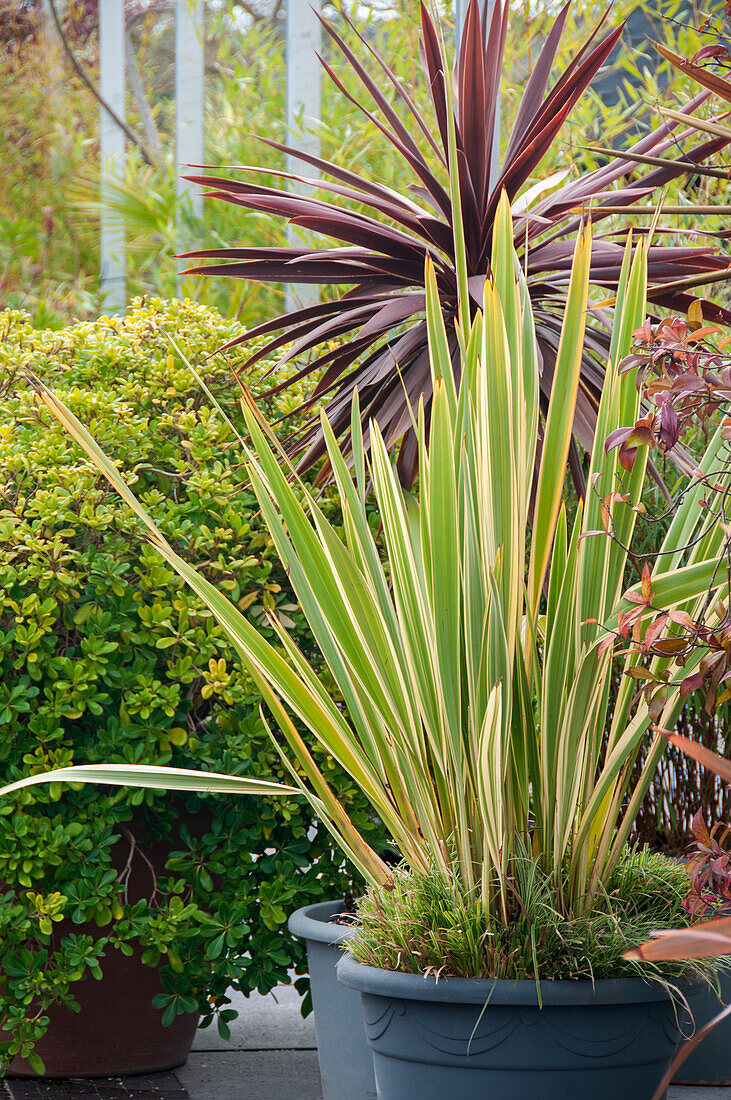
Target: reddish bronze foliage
[
  {"x": 684, "y": 382},
  {"x": 709, "y": 868}
]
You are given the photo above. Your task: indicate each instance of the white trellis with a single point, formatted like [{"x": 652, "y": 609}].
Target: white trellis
[
  {"x": 189, "y": 128},
  {"x": 303, "y": 109},
  {"x": 112, "y": 85},
  {"x": 189, "y": 101},
  {"x": 303, "y": 106}
]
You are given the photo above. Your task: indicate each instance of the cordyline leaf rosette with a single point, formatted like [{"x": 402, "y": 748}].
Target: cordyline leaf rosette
[
  {"x": 378, "y": 322},
  {"x": 477, "y": 705}
]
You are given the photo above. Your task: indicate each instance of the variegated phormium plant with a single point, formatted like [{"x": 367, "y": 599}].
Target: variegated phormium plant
[{"x": 474, "y": 660}]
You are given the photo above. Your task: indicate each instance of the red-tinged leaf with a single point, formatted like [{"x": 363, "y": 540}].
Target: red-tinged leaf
[
  {"x": 669, "y": 426},
  {"x": 711, "y": 700},
  {"x": 713, "y": 51},
  {"x": 700, "y": 941},
  {"x": 634, "y": 597},
  {"x": 630, "y": 362},
  {"x": 691, "y": 683},
  {"x": 704, "y": 756},
  {"x": 646, "y": 583},
  {"x": 654, "y": 630},
  {"x": 637, "y": 672},
  {"x": 627, "y": 456},
  {"x": 644, "y": 332},
  {"x": 606, "y": 515},
  {"x": 703, "y": 332},
  {"x": 700, "y": 830},
  {"x": 617, "y": 438},
  {"x": 657, "y": 703},
  {"x": 669, "y": 647}
]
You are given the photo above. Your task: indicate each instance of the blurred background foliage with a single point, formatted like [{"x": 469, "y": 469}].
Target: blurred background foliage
[{"x": 49, "y": 199}]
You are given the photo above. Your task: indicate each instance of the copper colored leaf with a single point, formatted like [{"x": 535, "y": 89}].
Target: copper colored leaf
[
  {"x": 669, "y": 647},
  {"x": 700, "y": 941},
  {"x": 704, "y": 756},
  {"x": 700, "y": 829},
  {"x": 646, "y": 583}
]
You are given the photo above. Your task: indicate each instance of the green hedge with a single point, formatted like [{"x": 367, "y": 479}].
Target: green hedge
[{"x": 106, "y": 656}]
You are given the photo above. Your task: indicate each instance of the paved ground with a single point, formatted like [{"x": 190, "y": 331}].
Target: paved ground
[{"x": 271, "y": 1056}]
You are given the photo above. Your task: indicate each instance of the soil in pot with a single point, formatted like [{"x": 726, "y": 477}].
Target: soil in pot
[{"x": 475, "y": 1038}]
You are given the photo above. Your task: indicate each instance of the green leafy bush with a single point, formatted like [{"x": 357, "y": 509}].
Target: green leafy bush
[{"x": 106, "y": 656}]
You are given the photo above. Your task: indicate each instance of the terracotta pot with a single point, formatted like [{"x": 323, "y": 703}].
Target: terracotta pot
[{"x": 117, "y": 1030}]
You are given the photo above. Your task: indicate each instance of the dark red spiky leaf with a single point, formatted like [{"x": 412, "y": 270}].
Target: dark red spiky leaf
[{"x": 379, "y": 256}]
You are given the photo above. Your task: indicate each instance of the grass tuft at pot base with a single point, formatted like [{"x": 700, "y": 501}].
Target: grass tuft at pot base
[{"x": 427, "y": 924}]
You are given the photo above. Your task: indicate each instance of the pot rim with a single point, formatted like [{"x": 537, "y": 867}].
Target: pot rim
[
  {"x": 312, "y": 922},
  {"x": 496, "y": 991}
]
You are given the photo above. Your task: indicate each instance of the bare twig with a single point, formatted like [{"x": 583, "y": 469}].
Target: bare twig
[
  {"x": 78, "y": 68},
  {"x": 127, "y": 871}
]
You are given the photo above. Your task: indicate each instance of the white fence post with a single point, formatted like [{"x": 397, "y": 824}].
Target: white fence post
[
  {"x": 111, "y": 80},
  {"x": 304, "y": 42},
  {"x": 189, "y": 103},
  {"x": 460, "y": 11}
]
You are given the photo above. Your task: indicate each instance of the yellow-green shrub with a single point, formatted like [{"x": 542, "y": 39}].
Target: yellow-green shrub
[{"x": 105, "y": 655}]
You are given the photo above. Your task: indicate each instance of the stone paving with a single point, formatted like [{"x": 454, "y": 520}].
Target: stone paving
[{"x": 271, "y": 1056}]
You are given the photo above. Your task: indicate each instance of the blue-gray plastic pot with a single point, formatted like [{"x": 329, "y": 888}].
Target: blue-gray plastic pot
[
  {"x": 346, "y": 1063},
  {"x": 710, "y": 1062},
  {"x": 475, "y": 1038}
]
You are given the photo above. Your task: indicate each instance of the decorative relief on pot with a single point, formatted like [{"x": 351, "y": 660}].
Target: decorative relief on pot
[
  {"x": 596, "y": 1046},
  {"x": 462, "y": 1039},
  {"x": 468, "y": 1032},
  {"x": 379, "y": 1022}
]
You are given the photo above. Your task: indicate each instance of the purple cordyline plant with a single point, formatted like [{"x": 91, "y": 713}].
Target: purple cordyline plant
[{"x": 372, "y": 335}]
